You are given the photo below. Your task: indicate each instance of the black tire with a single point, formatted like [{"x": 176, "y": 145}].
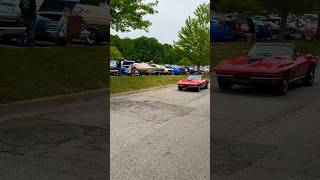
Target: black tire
[
  {"x": 198, "y": 89},
  {"x": 206, "y": 86},
  {"x": 180, "y": 88},
  {"x": 283, "y": 85},
  {"x": 224, "y": 85},
  {"x": 93, "y": 37},
  {"x": 309, "y": 79}
]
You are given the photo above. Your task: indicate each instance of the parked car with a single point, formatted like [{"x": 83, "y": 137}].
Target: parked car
[
  {"x": 125, "y": 67},
  {"x": 270, "y": 64},
  {"x": 263, "y": 31},
  {"x": 113, "y": 67},
  {"x": 158, "y": 68},
  {"x": 222, "y": 30},
  {"x": 204, "y": 69},
  {"x": 168, "y": 71},
  {"x": 176, "y": 70},
  {"x": 193, "y": 81},
  {"x": 53, "y": 10},
  {"x": 49, "y": 13},
  {"x": 9, "y": 20},
  {"x": 145, "y": 68},
  {"x": 310, "y": 32},
  {"x": 96, "y": 22},
  {"x": 274, "y": 23},
  {"x": 192, "y": 70}
]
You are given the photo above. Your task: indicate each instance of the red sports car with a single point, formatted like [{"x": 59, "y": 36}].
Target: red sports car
[
  {"x": 270, "y": 64},
  {"x": 193, "y": 81}
]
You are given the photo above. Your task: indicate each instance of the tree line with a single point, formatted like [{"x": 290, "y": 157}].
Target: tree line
[{"x": 145, "y": 49}]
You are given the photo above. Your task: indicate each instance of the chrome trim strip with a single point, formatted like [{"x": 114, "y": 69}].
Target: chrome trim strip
[
  {"x": 297, "y": 78},
  {"x": 224, "y": 75},
  {"x": 265, "y": 78}
]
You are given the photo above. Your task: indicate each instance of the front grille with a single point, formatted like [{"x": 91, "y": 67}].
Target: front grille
[{"x": 242, "y": 78}]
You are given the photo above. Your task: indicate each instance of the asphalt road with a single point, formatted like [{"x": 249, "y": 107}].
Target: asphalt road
[
  {"x": 160, "y": 134},
  {"x": 60, "y": 141},
  {"x": 261, "y": 136}
]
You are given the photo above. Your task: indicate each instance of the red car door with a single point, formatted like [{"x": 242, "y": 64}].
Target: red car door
[{"x": 301, "y": 67}]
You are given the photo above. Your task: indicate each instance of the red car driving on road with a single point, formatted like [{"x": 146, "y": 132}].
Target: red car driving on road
[
  {"x": 271, "y": 64},
  {"x": 193, "y": 81}
]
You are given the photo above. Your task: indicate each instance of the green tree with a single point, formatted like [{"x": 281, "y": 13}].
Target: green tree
[
  {"x": 127, "y": 47},
  {"x": 172, "y": 54},
  {"x": 194, "y": 38},
  {"x": 115, "y": 53},
  {"x": 128, "y": 14},
  {"x": 148, "y": 49},
  {"x": 185, "y": 61}
]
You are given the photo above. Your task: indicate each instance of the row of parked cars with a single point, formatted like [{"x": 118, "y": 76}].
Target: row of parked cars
[
  {"x": 148, "y": 68},
  {"x": 267, "y": 27},
  {"x": 93, "y": 28}
]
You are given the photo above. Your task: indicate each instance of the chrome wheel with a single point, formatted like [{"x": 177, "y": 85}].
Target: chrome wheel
[
  {"x": 308, "y": 81},
  {"x": 93, "y": 37},
  {"x": 311, "y": 77},
  {"x": 284, "y": 86}
]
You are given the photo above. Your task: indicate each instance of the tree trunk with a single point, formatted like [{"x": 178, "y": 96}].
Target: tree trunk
[{"x": 283, "y": 25}]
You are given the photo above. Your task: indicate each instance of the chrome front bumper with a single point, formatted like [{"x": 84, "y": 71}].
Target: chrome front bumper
[
  {"x": 12, "y": 31},
  {"x": 246, "y": 79}
]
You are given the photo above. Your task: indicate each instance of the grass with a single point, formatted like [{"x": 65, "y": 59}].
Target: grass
[
  {"x": 223, "y": 50},
  {"x": 28, "y": 73},
  {"x": 120, "y": 84}
]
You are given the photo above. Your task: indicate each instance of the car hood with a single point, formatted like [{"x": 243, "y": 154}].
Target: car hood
[
  {"x": 185, "y": 81},
  {"x": 243, "y": 64}
]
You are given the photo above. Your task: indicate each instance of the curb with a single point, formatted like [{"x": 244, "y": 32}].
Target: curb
[
  {"x": 68, "y": 97},
  {"x": 117, "y": 95},
  {"x": 49, "y": 104}
]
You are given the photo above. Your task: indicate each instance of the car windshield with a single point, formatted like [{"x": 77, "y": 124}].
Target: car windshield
[
  {"x": 194, "y": 77},
  {"x": 262, "y": 51}
]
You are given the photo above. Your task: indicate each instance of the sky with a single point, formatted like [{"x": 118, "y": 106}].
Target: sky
[{"x": 168, "y": 21}]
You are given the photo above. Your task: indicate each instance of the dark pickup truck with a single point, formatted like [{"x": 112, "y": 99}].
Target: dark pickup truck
[{"x": 49, "y": 13}]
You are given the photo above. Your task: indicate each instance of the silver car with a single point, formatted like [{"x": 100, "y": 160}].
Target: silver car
[{"x": 9, "y": 20}]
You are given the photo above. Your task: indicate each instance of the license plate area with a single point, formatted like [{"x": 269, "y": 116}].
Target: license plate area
[{"x": 243, "y": 79}]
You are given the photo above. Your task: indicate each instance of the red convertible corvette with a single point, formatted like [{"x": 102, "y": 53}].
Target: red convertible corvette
[
  {"x": 194, "y": 81},
  {"x": 270, "y": 64}
]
